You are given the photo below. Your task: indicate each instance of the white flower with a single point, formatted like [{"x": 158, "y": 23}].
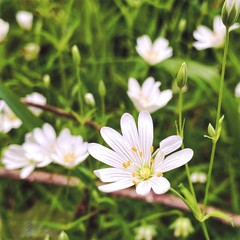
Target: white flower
[
  {"x": 237, "y": 90},
  {"x": 8, "y": 119},
  {"x": 40, "y": 144},
  {"x": 206, "y": 38},
  {"x": 145, "y": 232},
  {"x": 132, "y": 159},
  {"x": 24, "y": 19},
  {"x": 89, "y": 99},
  {"x": 153, "y": 53},
  {"x": 70, "y": 150},
  {"x": 4, "y": 29},
  {"x": 15, "y": 158},
  {"x": 182, "y": 227},
  {"x": 36, "y": 98},
  {"x": 198, "y": 177},
  {"x": 148, "y": 97},
  {"x": 31, "y": 51}
]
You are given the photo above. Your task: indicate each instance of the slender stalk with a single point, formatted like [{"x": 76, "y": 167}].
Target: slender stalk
[
  {"x": 205, "y": 231},
  {"x": 79, "y": 89},
  {"x": 181, "y": 133},
  {"x": 63, "y": 75},
  {"x": 219, "y": 106}
]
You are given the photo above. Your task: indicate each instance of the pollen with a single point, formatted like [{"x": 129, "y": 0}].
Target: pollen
[
  {"x": 145, "y": 173},
  {"x": 135, "y": 182},
  {"x": 133, "y": 174},
  {"x": 152, "y": 160},
  {"x": 140, "y": 154},
  {"x": 126, "y": 164},
  {"x": 151, "y": 149},
  {"x": 69, "y": 157},
  {"x": 134, "y": 149},
  {"x": 159, "y": 174}
]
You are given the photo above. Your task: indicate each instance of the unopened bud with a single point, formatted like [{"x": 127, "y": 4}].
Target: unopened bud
[
  {"x": 211, "y": 131},
  {"x": 230, "y": 12},
  {"x": 46, "y": 79},
  {"x": 102, "y": 89},
  {"x": 63, "y": 236},
  {"x": 181, "y": 77},
  {"x": 89, "y": 99},
  {"x": 76, "y": 55},
  {"x": 182, "y": 227}
]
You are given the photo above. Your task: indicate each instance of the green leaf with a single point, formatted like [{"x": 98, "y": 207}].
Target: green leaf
[
  {"x": 218, "y": 214},
  {"x": 28, "y": 119}
]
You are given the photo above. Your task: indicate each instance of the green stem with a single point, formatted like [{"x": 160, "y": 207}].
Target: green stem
[
  {"x": 80, "y": 99},
  {"x": 181, "y": 133},
  {"x": 219, "y": 106},
  {"x": 63, "y": 75},
  {"x": 205, "y": 231}
]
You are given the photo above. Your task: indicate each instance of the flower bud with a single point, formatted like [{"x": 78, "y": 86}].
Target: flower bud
[
  {"x": 76, "y": 55},
  {"x": 46, "y": 79},
  {"x": 181, "y": 77},
  {"x": 63, "y": 236},
  {"x": 31, "y": 51},
  {"x": 4, "y": 28},
  {"x": 89, "y": 99},
  {"x": 182, "y": 227},
  {"x": 24, "y": 20},
  {"x": 211, "y": 131},
  {"x": 230, "y": 12},
  {"x": 102, "y": 89}
]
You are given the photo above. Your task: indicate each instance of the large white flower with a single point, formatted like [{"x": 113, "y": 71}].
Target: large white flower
[
  {"x": 206, "y": 38},
  {"x": 4, "y": 28},
  {"x": 24, "y": 19},
  {"x": 153, "y": 53},
  {"x": 148, "y": 97},
  {"x": 8, "y": 119},
  {"x": 132, "y": 158},
  {"x": 37, "y": 98},
  {"x": 70, "y": 150}
]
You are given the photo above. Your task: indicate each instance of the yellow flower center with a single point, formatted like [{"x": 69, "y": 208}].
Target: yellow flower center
[
  {"x": 145, "y": 173},
  {"x": 69, "y": 157}
]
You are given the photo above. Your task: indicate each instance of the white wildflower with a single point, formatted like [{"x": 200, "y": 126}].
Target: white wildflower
[
  {"x": 24, "y": 19},
  {"x": 89, "y": 99},
  {"x": 182, "y": 227},
  {"x": 145, "y": 232},
  {"x": 4, "y": 29},
  {"x": 198, "y": 177},
  {"x": 148, "y": 97},
  {"x": 132, "y": 158},
  {"x": 31, "y": 51},
  {"x": 153, "y": 53}
]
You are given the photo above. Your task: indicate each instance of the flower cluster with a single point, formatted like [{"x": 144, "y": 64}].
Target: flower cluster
[
  {"x": 42, "y": 147},
  {"x": 133, "y": 160}
]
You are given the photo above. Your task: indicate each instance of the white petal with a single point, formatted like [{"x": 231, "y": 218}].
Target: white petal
[
  {"x": 170, "y": 144},
  {"x": 160, "y": 185},
  {"x": 105, "y": 155},
  {"x": 119, "y": 185},
  {"x": 112, "y": 174},
  {"x": 145, "y": 129},
  {"x": 176, "y": 160},
  {"x": 148, "y": 86},
  {"x": 129, "y": 129},
  {"x": 25, "y": 172},
  {"x": 144, "y": 43},
  {"x": 133, "y": 87},
  {"x": 143, "y": 188}
]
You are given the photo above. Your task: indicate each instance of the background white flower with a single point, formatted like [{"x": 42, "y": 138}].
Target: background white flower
[
  {"x": 8, "y": 119},
  {"x": 69, "y": 150},
  {"x": 237, "y": 90},
  {"x": 24, "y": 19},
  {"x": 89, "y": 99},
  {"x": 4, "y": 29},
  {"x": 132, "y": 159},
  {"x": 31, "y": 51},
  {"x": 148, "y": 97},
  {"x": 198, "y": 177},
  {"x": 153, "y": 53},
  {"x": 37, "y": 98},
  {"x": 206, "y": 38}
]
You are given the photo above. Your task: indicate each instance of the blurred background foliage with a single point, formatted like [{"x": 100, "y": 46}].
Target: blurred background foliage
[{"x": 105, "y": 33}]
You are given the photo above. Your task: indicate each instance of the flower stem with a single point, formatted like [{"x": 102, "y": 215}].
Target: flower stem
[
  {"x": 80, "y": 100},
  {"x": 214, "y": 143},
  {"x": 63, "y": 75},
  {"x": 205, "y": 231},
  {"x": 181, "y": 133}
]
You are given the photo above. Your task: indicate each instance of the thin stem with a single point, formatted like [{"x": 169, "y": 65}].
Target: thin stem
[
  {"x": 63, "y": 75},
  {"x": 79, "y": 89},
  {"x": 181, "y": 132},
  {"x": 103, "y": 105},
  {"x": 219, "y": 106},
  {"x": 205, "y": 231}
]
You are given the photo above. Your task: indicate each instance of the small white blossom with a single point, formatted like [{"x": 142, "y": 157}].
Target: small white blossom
[
  {"x": 24, "y": 19},
  {"x": 153, "y": 53},
  {"x": 145, "y": 232},
  {"x": 148, "y": 97},
  {"x": 31, "y": 51},
  {"x": 8, "y": 119},
  {"x": 70, "y": 150},
  {"x": 207, "y": 38},
  {"x": 36, "y": 98},
  {"x": 132, "y": 158},
  {"x": 182, "y": 227},
  {"x": 198, "y": 177},
  {"x": 237, "y": 90},
  {"x": 4, "y": 29},
  {"x": 89, "y": 99}
]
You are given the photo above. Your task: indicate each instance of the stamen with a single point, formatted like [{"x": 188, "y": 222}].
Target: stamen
[
  {"x": 140, "y": 153},
  {"x": 133, "y": 174},
  {"x": 159, "y": 174},
  {"x": 151, "y": 149},
  {"x": 134, "y": 149},
  {"x": 125, "y": 165},
  {"x": 128, "y": 163},
  {"x": 152, "y": 160},
  {"x": 135, "y": 182}
]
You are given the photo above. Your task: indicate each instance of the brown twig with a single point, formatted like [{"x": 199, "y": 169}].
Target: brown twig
[
  {"x": 60, "y": 112},
  {"x": 165, "y": 199}
]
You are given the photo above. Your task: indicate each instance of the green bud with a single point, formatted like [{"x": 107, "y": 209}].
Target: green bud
[
  {"x": 211, "y": 131},
  {"x": 63, "y": 236},
  {"x": 230, "y": 12},
  {"x": 181, "y": 77},
  {"x": 47, "y": 80},
  {"x": 76, "y": 55},
  {"x": 102, "y": 89}
]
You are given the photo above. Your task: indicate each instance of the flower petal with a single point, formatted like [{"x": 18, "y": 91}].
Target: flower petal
[
  {"x": 119, "y": 185},
  {"x": 143, "y": 188},
  {"x": 25, "y": 172},
  {"x": 160, "y": 185},
  {"x": 176, "y": 160},
  {"x": 170, "y": 144},
  {"x": 112, "y": 174}
]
